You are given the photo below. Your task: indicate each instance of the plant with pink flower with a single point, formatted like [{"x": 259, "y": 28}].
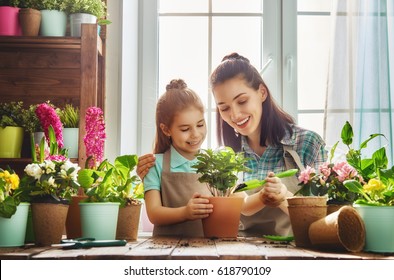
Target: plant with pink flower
[
  {"x": 48, "y": 117},
  {"x": 95, "y": 136}
]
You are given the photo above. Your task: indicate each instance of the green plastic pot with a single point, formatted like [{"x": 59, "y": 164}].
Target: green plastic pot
[
  {"x": 379, "y": 227},
  {"x": 11, "y": 140},
  {"x": 13, "y": 230},
  {"x": 99, "y": 219}
]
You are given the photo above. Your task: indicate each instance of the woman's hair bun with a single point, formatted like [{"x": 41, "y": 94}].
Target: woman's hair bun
[
  {"x": 234, "y": 55},
  {"x": 176, "y": 84}
]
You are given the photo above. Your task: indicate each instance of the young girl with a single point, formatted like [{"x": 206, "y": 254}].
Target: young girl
[{"x": 174, "y": 198}]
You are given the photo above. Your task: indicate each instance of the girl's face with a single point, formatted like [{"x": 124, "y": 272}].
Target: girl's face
[
  {"x": 240, "y": 105},
  {"x": 187, "y": 131}
]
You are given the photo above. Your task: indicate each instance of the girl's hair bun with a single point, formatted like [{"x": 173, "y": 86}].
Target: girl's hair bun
[{"x": 176, "y": 84}]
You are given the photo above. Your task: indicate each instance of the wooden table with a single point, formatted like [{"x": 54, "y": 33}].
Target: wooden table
[{"x": 147, "y": 247}]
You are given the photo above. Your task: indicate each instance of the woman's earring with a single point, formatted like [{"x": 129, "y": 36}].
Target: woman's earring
[{"x": 236, "y": 132}]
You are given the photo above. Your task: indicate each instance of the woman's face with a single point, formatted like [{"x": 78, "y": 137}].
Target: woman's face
[
  {"x": 187, "y": 131},
  {"x": 240, "y": 105}
]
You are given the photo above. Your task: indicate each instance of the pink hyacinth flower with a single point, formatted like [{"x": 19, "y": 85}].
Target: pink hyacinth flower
[
  {"x": 48, "y": 117},
  {"x": 95, "y": 135}
]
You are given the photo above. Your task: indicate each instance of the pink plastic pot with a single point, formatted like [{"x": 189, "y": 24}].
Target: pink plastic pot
[{"x": 9, "y": 21}]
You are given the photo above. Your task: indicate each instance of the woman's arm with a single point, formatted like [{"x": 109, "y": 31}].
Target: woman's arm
[
  {"x": 197, "y": 208},
  {"x": 273, "y": 194}
]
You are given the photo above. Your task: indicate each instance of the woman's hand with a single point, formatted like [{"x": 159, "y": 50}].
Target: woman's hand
[
  {"x": 198, "y": 207},
  {"x": 145, "y": 162},
  {"x": 274, "y": 191}
]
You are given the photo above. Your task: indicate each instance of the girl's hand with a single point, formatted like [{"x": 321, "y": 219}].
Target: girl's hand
[
  {"x": 198, "y": 207},
  {"x": 145, "y": 162},
  {"x": 274, "y": 191}
]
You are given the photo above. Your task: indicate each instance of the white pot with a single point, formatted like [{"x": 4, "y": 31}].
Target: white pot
[
  {"x": 76, "y": 21},
  {"x": 70, "y": 140}
]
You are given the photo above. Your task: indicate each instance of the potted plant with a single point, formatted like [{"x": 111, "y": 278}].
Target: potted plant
[
  {"x": 13, "y": 210},
  {"x": 69, "y": 116},
  {"x": 51, "y": 181},
  {"x": 29, "y": 16},
  {"x": 218, "y": 169},
  {"x": 53, "y": 17},
  {"x": 9, "y": 22},
  {"x": 113, "y": 183},
  {"x": 11, "y": 129},
  {"x": 131, "y": 192},
  {"x": 376, "y": 193},
  {"x": 85, "y": 11},
  {"x": 99, "y": 211}
]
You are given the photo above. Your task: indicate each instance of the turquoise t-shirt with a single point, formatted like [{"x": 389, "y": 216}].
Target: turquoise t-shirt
[{"x": 178, "y": 163}]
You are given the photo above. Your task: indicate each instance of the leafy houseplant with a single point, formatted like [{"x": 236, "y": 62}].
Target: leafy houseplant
[
  {"x": 11, "y": 114},
  {"x": 111, "y": 182},
  {"x": 219, "y": 168},
  {"x": 97, "y": 8},
  {"x": 376, "y": 202}
]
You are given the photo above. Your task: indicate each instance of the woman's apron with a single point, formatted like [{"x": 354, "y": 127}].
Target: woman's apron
[
  {"x": 177, "y": 188},
  {"x": 272, "y": 220}
]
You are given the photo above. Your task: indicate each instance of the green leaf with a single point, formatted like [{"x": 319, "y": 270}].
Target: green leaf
[{"x": 347, "y": 134}]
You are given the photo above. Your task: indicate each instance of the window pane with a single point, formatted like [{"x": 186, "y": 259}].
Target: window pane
[
  {"x": 228, "y": 35},
  {"x": 237, "y": 6},
  {"x": 182, "y": 6},
  {"x": 312, "y": 121},
  {"x": 183, "y": 51},
  {"x": 314, "y": 6},
  {"x": 312, "y": 51}
]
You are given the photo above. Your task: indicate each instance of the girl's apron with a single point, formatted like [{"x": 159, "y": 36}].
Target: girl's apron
[{"x": 177, "y": 188}]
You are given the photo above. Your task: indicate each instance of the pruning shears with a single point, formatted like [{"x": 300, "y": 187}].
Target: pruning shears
[
  {"x": 87, "y": 242},
  {"x": 252, "y": 184}
]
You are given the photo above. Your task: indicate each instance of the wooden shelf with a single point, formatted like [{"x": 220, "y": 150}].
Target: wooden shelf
[{"x": 60, "y": 69}]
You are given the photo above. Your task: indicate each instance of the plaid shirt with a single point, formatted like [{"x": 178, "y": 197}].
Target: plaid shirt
[{"x": 308, "y": 144}]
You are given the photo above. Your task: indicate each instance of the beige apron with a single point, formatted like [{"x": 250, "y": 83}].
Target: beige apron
[
  {"x": 177, "y": 188},
  {"x": 269, "y": 220}
]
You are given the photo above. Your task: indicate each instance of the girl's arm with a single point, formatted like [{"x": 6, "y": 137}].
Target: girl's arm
[{"x": 197, "y": 208}]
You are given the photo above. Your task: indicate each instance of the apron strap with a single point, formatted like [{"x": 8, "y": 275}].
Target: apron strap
[
  {"x": 295, "y": 157},
  {"x": 166, "y": 160}
]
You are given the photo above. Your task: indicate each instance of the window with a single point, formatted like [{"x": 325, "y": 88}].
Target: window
[{"x": 187, "y": 39}]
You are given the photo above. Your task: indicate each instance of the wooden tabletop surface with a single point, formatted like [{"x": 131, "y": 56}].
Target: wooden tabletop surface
[{"x": 175, "y": 248}]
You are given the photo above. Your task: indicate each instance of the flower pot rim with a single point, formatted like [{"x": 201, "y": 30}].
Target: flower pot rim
[
  {"x": 98, "y": 203},
  {"x": 372, "y": 206}
]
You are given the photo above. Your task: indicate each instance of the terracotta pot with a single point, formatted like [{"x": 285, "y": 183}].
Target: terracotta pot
[
  {"x": 73, "y": 221},
  {"x": 303, "y": 211},
  {"x": 30, "y": 20},
  {"x": 49, "y": 220},
  {"x": 224, "y": 220},
  {"x": 128, "y": 222},
  {"x": 331, "y": 208},
  {"x": 343, "y": 229}
]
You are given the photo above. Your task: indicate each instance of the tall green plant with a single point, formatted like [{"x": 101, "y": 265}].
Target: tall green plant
[{"x": 367, "y": 167}]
